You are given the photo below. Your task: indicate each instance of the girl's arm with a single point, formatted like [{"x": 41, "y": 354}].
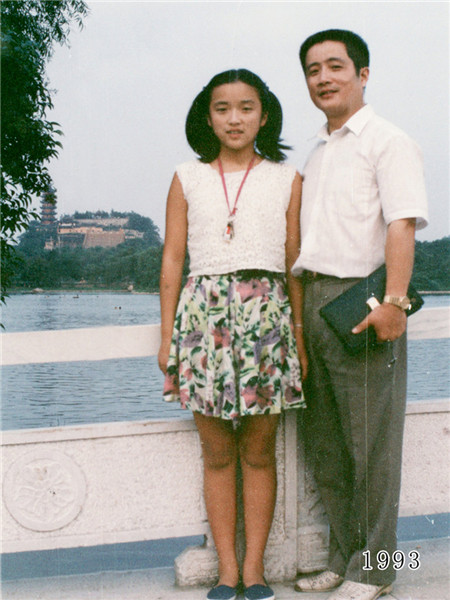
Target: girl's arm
[
  {"x": 172, "y": 265},
  {"x": 295, "y": 289}
]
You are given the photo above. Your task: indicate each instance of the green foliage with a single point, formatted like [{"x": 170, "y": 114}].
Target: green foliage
[
  {"x": 98, "y": 214},
  {"x": 140, "y": 223},
  {"x": 138, "y": 262},
  {"x": 111, "y": 268},
  {"x": 33, "y": 240},
  {"x": 432, "y": 265},
  {"x": 135, "y": 262},
  {"x": 30, "y": 28}
]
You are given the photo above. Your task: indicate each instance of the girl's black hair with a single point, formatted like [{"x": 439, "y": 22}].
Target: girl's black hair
[{"x": 201, "y": 136}]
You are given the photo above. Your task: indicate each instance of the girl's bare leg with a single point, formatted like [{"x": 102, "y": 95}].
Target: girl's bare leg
[
  {"x": 257, "y": 439},
  {"x": 219, "y": 448}
]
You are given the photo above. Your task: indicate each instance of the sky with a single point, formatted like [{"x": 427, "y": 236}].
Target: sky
[{"x": 124, "y": 86}]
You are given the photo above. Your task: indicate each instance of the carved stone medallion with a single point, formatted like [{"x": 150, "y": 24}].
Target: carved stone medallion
[{"x": 44, "y": 490}]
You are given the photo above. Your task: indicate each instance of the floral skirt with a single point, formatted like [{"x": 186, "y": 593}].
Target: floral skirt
[{"x": 233, "y": 350}]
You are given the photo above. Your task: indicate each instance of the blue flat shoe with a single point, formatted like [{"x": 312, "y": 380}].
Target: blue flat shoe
[
  {"x": 222, "y": 592},
  {"x": 259, "y": 592}
]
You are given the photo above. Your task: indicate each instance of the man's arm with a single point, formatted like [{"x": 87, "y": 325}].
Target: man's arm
[{"x": 388, "y": 320}]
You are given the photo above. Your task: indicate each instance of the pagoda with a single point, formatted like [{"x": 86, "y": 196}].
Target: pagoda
[{"x": 48, "y": 208}]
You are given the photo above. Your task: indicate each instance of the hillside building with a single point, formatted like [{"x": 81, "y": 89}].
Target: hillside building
[
  {"x": 105, "y": 239},
  {"x": 70, "y": 232}
]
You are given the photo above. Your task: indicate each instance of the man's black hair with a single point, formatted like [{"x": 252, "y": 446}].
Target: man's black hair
[{"x": 357, "y": 48}]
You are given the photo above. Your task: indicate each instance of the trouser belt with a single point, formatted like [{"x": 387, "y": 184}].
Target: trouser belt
[{"x": 315, "y": 276}]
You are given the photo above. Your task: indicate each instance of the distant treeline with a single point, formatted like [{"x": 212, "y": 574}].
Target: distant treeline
[
  {"x": 432, "y": 265},
  {"x": 99, "y": 214},
  {"x": 135, "y": 262},
  {"x": 130, "y": 263},
  {"x": 138, "y": 262}
]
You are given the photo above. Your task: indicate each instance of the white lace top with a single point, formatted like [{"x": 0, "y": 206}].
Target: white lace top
[{"x": 260, "y": 221}]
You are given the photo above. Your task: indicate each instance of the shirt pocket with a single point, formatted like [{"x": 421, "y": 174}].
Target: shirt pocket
[{"x": 354, "y": 192}]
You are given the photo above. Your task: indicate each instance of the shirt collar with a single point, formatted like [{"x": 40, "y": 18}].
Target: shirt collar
[{"x": 355, "y": 124}]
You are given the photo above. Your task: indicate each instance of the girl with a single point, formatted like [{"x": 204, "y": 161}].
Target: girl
[{"x": 230, "y": 350}]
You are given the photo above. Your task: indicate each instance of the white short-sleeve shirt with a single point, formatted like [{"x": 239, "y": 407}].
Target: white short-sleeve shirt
[{"x": 357, "y": 180}]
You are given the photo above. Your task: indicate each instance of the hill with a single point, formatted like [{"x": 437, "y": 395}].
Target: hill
[
  {"x": 90, "y": 250},
  {"x": 136, "y": 262}
]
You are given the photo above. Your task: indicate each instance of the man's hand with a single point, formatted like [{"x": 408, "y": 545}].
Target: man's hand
[{"x": 388, "y": 321}]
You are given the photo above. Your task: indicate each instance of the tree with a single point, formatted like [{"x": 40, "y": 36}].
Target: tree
[
  {"x": 432, "y": 265},
  {"x": 145, "y": 224},
  {"x": 30, "y": 30}
]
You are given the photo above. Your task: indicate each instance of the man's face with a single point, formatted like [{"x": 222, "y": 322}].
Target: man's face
[{"x": 333, "y": 84}]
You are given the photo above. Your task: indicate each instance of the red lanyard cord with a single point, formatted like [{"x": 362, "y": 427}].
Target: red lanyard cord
[{"x": 219, "y": 162}]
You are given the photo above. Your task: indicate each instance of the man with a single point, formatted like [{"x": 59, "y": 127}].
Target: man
[{"x": 363, "y": 198}]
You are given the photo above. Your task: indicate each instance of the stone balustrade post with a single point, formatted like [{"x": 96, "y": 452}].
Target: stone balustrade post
[{"x": 312, "y": 530}]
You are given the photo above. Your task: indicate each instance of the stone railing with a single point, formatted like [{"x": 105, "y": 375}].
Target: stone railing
[{"x": 118, "y": 482}]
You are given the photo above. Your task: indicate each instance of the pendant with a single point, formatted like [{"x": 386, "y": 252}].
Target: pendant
[{"x": 228, "y": 234}]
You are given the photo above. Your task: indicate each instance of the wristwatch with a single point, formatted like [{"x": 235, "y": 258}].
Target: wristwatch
[{"x": 402, "y": 302}]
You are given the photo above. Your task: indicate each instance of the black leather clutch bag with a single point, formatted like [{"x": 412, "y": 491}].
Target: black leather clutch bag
[{"x": 351, "y": 307}]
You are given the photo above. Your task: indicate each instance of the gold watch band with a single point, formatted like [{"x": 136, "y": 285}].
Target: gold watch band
[{"x": 402, "y": 302}]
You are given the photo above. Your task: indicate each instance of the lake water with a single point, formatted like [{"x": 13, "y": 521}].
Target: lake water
[{"x": 49, "y": 395}]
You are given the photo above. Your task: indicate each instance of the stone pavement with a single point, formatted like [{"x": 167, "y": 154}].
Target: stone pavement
[{"x": 430, "y": 582}]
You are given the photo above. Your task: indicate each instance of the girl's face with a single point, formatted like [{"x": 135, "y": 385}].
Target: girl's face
[{"x": 235, "y": 114}]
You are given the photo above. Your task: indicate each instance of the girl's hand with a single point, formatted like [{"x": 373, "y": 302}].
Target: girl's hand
[
  {"x": 304, "y": 365},
  {"x": 301, "y": 351},
  {"x": 163, "y": 357}
]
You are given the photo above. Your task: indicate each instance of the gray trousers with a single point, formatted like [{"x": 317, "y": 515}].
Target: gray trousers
[{"x": 353, "y": 433}]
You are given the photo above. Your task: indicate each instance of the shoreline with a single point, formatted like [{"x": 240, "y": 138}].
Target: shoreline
[
  {"x": 435, "y": 293},
  {"x": 37, "y": 291},
  {"x": 77, "y": 291}
]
